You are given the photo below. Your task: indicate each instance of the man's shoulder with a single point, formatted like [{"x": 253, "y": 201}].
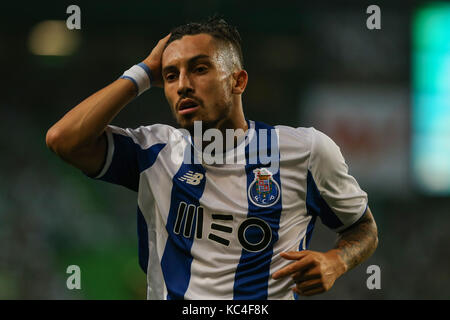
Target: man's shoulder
[
  {"x": 285, "y": 129},
  {"x": 144, "y": 129},
  {"x": 146, "y": 135},
  {"x": 295, "y": 130},
  {"x": 290, "y": 134}
]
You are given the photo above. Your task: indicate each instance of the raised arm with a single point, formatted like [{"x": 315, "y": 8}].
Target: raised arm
[{"x": 78, "y": 138}]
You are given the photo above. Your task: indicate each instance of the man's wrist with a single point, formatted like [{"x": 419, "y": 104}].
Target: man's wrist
[
  {"x": 149, "y": 64},
  {"x": 140, "y": 75},
  {"x": 340, "y": 265}
]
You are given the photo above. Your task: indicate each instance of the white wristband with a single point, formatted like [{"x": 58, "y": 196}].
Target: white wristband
[{"x": 140, "y": 75}]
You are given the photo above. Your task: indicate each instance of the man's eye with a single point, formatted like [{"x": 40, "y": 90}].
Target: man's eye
[
  {"x": 170, "y": 76},
  {"x": 200, "y": 69}
]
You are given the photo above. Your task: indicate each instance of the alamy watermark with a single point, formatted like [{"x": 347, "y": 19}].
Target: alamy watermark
[
  {"x": 374, "y": 20},
  {"x": 374, "y": 280},
  {"x": 212, "y": 146},
  {"x": 74, "y": 280},
  {"x": 74, "y": 20}
]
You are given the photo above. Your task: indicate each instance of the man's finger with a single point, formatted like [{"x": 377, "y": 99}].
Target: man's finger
[
  {"x": 294, "y": 255},
  {"x": 164, "y": 40},
  {"x": 309, "y": 285},
  {"x": 308, "y": 292},
  {"x": 294, "y": 267},
  {"x": 305, "y": 276}
]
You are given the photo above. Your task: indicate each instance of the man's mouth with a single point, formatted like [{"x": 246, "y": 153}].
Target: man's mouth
[{"x": 187, "y": 106}]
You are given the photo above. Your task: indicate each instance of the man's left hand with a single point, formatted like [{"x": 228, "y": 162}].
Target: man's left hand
[{"x": 313, "y": 272}]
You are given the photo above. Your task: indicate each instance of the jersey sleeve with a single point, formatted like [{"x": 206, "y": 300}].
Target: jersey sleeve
[
  {"x": 129, "y": 152},
  {"x": 332, "y": 193}
]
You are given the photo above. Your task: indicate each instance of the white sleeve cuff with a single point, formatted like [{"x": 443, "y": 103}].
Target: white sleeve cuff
[
  {"x": 109, "y": 152},
  {"x": 355, "y": 220}
]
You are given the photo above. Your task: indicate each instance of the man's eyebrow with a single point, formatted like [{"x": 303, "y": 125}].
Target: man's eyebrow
[
  {"x": 197, "y": 57},
  {"x": 190, "y": 61}
]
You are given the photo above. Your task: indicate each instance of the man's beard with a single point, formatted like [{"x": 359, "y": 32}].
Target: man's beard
[
  {"x": 205, "y": 125},
  {"x": 187, "y": 122}
]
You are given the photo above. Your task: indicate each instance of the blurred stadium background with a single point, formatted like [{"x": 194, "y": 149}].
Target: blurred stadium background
[{"x": 382, "y": 95}]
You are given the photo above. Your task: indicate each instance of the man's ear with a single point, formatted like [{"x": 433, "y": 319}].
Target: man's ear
[{"x": 240, "y": 79}]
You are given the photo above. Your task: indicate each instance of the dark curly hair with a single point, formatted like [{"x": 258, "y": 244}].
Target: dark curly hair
[{"x": 215, "y": 26}]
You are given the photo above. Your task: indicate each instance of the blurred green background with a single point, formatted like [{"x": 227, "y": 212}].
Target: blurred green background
[{"x": 309, "y": 65}]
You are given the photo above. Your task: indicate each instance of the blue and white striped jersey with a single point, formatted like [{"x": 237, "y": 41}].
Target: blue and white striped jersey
[{"x": 215, "y": 231}]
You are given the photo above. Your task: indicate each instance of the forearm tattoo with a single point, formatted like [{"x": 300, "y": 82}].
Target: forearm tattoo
[{"x": 358, "y": 242}]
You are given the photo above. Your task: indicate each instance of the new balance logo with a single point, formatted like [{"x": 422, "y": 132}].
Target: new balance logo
[{"x": 192, "y": 178}]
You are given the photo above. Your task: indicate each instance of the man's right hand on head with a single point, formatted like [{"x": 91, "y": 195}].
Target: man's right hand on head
[{"x": 153, "y": 61}]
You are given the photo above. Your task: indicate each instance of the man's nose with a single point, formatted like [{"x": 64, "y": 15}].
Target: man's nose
[{"x": 184, "y": 84}]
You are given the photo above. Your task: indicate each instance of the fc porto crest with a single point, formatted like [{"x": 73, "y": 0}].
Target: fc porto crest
[{"x": 263, "y": 191}]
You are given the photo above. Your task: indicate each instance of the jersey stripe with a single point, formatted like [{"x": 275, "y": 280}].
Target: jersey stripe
[
  {"x": 253, "y": 270},
  {"x": 177, "y": 258},
  {"x": 142, "y": 232},
  {"x": 309, "y": 231},
  {"x": 304, "y": 243},
  {"x": 126, "y": 173},
  {"x": 317, "y": 206}
]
